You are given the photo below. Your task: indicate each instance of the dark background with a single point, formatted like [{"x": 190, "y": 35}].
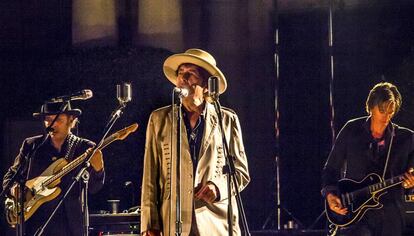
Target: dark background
[{"x": 373, "y": 42}]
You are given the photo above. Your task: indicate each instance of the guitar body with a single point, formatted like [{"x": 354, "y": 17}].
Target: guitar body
[
  {"x": 356, "y": 198},
  {"x": 36, "y": 194}
]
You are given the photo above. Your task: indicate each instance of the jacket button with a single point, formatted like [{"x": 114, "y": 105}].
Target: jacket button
[{"x": 190, "y": 191}]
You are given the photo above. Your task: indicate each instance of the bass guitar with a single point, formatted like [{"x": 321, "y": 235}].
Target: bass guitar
[
  {"x": 359, "y": 197},
  {"x": 44, "y": 188}
]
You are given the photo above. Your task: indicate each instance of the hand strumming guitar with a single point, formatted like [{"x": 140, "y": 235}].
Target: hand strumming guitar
[{"x": 335, "y": 204}]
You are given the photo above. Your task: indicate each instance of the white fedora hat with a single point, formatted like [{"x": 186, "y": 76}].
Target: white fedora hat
[{"x": 197, "y": 57}]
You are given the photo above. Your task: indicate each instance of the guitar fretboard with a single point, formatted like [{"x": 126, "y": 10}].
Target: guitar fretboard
[
  {"x": 75, "y": 163},
  {"x": 348, "y": 198},
  {"x": 385, "y": 184}
]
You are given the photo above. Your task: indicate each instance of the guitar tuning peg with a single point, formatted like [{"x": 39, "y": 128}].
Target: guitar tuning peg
[{"x": 411, "y": 170}]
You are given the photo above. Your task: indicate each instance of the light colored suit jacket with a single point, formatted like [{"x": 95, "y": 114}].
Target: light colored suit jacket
[{"x": 158, "y": 207}]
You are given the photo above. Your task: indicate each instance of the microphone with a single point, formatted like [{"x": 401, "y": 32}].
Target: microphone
[
  {"x": 123, "y": 92},
  {"x": 181, "y": 92},
  {"x": 213, "y": 89},
  {"x": 80, "y": 95}
]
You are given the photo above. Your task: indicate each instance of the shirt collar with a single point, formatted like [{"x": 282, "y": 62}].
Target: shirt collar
[
  {"x": 202, "y": 115},
  {"x": 367, "y": 126}
]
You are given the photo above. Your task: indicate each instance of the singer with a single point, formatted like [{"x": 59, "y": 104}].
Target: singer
[
  {"x": 50, "y": 148},
  {"x": 203, "y": 185}
]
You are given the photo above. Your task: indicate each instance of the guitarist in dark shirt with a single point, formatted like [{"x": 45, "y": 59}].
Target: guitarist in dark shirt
[
  {"x": 371, "y": 144},
  {"x": 59, "y": 143}
]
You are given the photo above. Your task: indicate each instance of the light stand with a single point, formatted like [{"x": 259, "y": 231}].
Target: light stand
[
  {"x": 331, "y": 229},
  {"x": 279, "y": 206}
]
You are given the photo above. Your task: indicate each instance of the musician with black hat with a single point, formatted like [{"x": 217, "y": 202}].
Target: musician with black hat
[{"x": 42, "y": 156}]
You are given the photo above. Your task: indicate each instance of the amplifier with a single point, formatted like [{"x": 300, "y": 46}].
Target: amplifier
[
  {"x": 115, "y": 224},
  {"x": 409, "y": 210}
]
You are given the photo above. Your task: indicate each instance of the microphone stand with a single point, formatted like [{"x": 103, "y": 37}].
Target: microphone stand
[
  {"x": 21, "y": 180},
  {"x": 229, "y": 169},
  {"x": 84, "y": 174},
  {"x": 177, "y": 103}
]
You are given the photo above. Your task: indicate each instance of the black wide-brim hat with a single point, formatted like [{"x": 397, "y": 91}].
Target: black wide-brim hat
[{"x": 54, "y": 108}]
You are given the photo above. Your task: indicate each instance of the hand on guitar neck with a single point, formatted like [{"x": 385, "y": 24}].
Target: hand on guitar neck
[
  {"x": 96, "y": 160},
  {"x": 408, "y": 179}
]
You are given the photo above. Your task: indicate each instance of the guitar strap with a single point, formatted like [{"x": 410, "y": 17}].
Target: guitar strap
[
  {"x": 73, "y": 143},
  {"x": 389, "y": 152}
]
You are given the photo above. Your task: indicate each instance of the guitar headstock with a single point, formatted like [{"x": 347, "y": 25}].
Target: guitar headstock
[{"x": 123, "y": 133}]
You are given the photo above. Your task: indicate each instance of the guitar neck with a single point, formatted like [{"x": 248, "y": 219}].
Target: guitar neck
[
  {"x": 78, "y": 161},
  {"x": 388, "y": 183}
]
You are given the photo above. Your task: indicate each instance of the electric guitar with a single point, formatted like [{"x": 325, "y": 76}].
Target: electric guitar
[
  {"x": 44, "y": 188},
  {"x": 359, "y": 197}
]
